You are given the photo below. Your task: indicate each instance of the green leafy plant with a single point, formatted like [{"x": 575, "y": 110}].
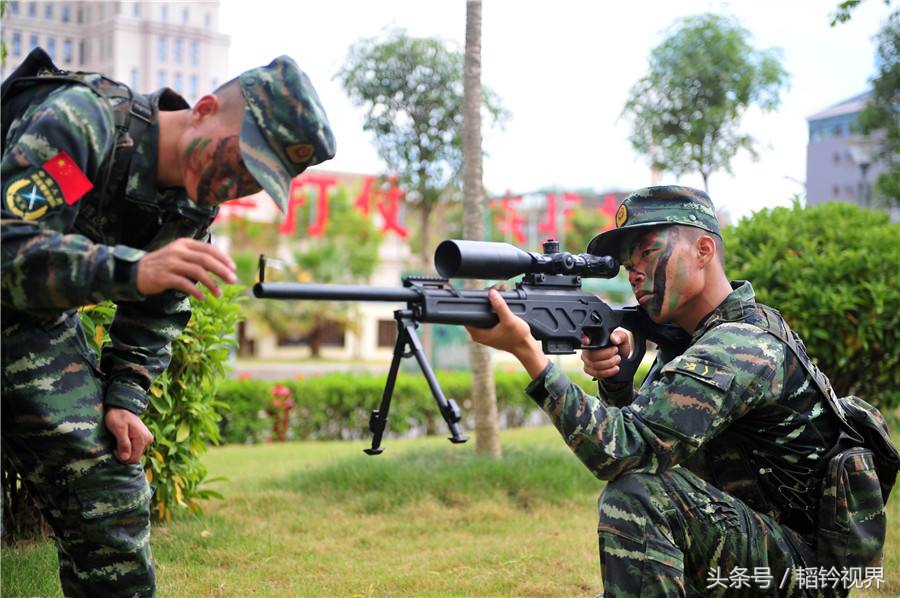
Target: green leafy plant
[
  {"x": 832, "y": 271},
  {"x": 183, "y": 413},
  {"x": 337, "y": 406}
]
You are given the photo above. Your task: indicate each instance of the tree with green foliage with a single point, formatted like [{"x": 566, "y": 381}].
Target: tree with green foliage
[
  {"x": 881, "y": 116},
  {"x": 584, "y": 225},
  {"x": 845, "y": 9},
  {"x": 831, "y": 270},
  {"x": 347, "y": 253},
  {"x": 412, "y": 92},
  {"x": 687, "y": 110}
]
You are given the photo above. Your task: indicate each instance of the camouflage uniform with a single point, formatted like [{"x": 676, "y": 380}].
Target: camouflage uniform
[
  {"x": 62, "y": 248},
  {"x": 713, "y": 464}
]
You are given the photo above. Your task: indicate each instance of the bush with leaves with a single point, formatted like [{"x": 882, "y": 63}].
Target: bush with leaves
[
  {"x": 832, "y": 271},
  {"x": 337, "y": 406},
  {"x": 183, "y": 411},
  {"x": 183, "y": 414}
]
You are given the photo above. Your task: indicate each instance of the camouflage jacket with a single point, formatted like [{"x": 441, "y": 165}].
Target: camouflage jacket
[
  {"x": 62, "y": 248},
  {"x": 737, "y": 408}
]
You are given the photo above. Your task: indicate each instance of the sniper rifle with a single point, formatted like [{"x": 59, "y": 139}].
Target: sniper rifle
[{"x": 549, "y": 298}]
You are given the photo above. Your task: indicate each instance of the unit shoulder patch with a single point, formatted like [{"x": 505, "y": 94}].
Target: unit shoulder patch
[{"x": 32, "y": 194}]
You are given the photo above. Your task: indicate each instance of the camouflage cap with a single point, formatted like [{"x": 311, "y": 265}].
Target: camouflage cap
[
  {"x": 657, "y": 206},
  {"x": 285, "y": 128}
]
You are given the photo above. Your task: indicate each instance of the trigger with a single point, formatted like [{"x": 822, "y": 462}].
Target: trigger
[{"x": 593, "y": 342}]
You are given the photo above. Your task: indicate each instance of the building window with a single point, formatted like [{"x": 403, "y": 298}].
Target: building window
[
  {"x": 835, "y": 191},
  {"x": 66, "y": 13},
  {"x": 14, "y": 7},
  {"x": 387, "y": 333},
  {"x": 837, "y": 158},
  {"x": 177, "y": 82},
  {"x": 33, "y": 41},
  {"x": 82, "y": 51},
  {"x": 207, "y": 20},
  {"x": 17, "y": 43},
  {"x": 164, "y": 13},
  {"x": 32, "y": 9},
  {"x": 177, "y": 52},
  {"x": 48, "y": 10},
  {"x": 838, "y": 131},
  {"x": 135, "y": 10},
  {"x": 51, "y": 47},
  {"x": 68, "y": 51},
  {"x": 134, "y": 75},
  {"x": 162, "y": 48},
  {"x": 192, "y": 86},
  {"x": 195, "y": 53},
  {"x": 849, "y": 191},
  {"x": 79, "y": 15},
  {"x": 185, "y": 17},
  {"x": 161, "y": 79}
]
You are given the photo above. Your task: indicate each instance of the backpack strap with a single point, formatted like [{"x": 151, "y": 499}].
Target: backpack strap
[
  {"x": 132, "y": 114},
  {"x": 777, "y": 327}
]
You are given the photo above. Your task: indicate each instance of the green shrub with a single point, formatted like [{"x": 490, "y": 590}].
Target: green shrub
[
  {"x": 242, "y": 411},
  {"x": 183, "y": 413},
  {"x": 337, "y": 406},
  {"x": 832, "y": 270}
]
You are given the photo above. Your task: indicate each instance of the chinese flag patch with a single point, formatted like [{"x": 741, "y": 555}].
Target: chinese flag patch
[{"x": 72, "y": 182}]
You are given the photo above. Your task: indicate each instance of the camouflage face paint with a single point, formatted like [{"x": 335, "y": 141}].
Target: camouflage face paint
[
  {"x": 219, "y": 170},
  {"x": 654, "y": 273}
]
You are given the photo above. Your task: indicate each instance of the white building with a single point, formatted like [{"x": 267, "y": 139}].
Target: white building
[{"x": 146, "y": 45}]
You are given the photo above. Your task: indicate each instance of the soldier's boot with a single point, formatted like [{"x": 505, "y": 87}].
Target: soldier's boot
[{"x": 672, "y": 534}]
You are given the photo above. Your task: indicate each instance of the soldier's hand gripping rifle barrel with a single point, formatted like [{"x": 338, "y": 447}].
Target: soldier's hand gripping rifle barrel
[{"x": 549, "y": 298}]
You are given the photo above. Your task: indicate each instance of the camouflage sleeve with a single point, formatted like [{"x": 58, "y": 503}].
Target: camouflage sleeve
[
  {"x": 732, "y": 369},
  {"x": 141, "y": 347},
  {"x": 54, "y": 152}
]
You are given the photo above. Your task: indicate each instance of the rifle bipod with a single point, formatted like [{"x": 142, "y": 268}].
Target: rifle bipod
[{"x": 407, "y": 337}]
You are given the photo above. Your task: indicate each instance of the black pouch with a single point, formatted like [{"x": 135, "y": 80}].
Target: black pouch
[{"x": 852, "y": 522}]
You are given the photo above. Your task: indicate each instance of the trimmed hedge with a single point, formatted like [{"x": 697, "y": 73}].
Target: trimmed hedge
[
  {"x": 337, "y": 406},
  {"x": 833, "y": 270}
]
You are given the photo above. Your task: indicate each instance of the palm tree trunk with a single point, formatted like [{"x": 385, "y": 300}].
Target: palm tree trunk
[{"x": 484, "y": 394}]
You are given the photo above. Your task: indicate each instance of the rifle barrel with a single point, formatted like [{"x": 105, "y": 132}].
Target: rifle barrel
[{"x": 333, "y": 292}]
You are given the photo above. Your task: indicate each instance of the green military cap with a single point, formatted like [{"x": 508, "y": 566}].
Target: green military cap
[
  {"x": 657, "y": 206},
  {"x": 285, "y": 128}
]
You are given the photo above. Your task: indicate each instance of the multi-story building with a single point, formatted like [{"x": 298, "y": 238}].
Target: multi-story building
[
  {"x": 841, "y": 164},
  {"x": 142, "y": 43}
]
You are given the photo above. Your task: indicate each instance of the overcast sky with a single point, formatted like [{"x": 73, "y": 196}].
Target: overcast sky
[{"x": 563, "y": 69}]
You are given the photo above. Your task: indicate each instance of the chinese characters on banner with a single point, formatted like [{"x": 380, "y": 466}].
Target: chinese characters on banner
[{"x": 386, "y": 200}]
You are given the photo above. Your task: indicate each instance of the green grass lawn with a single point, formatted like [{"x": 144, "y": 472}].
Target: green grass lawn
[{"x": 424, "y": 519}]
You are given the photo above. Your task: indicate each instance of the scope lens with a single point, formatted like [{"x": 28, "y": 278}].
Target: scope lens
[{"x": 447, "y": 258}]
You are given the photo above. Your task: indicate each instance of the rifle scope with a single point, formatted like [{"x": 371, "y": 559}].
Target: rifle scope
[{"x": 500, "y": 261}]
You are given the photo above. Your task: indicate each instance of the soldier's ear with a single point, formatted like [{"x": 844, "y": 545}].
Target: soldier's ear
[
  {"x": 206, "y": 106},
  {"x": 705, "y": 248}
]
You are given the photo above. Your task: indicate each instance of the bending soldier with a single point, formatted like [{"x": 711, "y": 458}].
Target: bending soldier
[
  {"x": 108, "y": 194},
  {"x": 720, "y": 461}
]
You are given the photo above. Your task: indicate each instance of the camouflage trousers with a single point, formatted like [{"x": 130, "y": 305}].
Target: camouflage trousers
[
  {"x": 53, "y": 431},
  {"x": 673, "y": 534}
]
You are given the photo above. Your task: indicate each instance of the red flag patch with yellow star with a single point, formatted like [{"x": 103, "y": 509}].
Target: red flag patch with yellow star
[{"x": 72, "y": 182}]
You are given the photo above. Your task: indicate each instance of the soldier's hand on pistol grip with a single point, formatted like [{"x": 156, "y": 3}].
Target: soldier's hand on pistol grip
[
  {"x": 182, "y": 264},
  {"x": 603, "y": 363},
  {"x": 132, "y": 436}
]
